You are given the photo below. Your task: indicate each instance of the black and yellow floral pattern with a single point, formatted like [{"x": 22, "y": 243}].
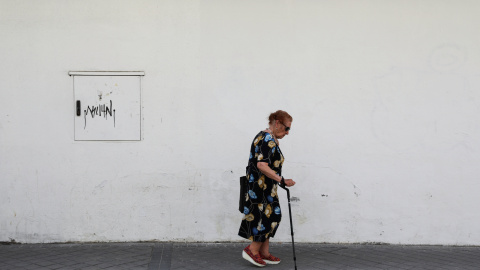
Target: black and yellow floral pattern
[{"x": 262, "y": 213}]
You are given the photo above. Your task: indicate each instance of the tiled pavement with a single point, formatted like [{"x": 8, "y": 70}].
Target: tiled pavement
[{"x": 187, "y": 256}]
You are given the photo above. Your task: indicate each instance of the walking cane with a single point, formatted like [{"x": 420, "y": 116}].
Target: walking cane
[{"x": 282, "y": 185}]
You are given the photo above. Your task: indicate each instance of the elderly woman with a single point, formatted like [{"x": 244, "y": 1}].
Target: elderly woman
[{"x": 264, "y": 172}]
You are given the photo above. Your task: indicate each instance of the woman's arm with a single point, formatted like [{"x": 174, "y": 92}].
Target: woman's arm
[{"x": 263, "y": 167}]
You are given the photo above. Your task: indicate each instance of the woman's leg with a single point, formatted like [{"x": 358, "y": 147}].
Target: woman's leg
[
  {"x": 264, "y": 249},
  {"x": 265, "y": 253},
  {"x": 255, "y": 247}
]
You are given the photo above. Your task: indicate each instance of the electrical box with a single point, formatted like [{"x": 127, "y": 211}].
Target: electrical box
[{"x": 107, "y": 105}]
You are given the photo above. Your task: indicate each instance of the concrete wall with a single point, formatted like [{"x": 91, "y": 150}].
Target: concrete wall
[{"x": 385, "y": 98}]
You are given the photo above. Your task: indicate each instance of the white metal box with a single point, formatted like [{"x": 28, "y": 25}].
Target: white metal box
[{"x": 107, "y": 106}]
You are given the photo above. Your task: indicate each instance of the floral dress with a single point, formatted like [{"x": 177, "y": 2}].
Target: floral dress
[{"x": 262, "y": 212}]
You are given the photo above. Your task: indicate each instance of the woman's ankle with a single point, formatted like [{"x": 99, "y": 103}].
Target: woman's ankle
[{"x": 254, "y": 249}]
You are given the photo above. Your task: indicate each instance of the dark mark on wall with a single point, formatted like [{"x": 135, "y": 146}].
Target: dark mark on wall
[
  {"x": 295, "y": 199},
  {"x": 12, "y": 242},
  {"x": 97, "y": 110}
]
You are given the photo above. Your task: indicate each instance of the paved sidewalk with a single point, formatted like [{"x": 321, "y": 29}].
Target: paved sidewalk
[{"x": 150, "y": 256}]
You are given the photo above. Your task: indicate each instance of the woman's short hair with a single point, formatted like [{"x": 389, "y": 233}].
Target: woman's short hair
[{"x": 280, "y": 115}]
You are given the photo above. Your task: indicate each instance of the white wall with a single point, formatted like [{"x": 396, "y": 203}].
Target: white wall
[{"x": 384, "y": 94}]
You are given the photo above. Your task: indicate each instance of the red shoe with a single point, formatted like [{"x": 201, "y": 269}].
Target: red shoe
[
  {"x": 255, "y": 259},
  {"x": 270, "y": 259}
]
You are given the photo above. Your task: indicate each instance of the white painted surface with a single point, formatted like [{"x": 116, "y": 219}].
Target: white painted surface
[{"x": 384, "y": 145}]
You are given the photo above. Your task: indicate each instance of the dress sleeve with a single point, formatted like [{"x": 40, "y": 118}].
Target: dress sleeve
[{"x": 265, "y": 150}]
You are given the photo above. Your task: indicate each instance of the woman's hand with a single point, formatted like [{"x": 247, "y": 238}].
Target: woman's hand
[{"x": 289, "y": 182}]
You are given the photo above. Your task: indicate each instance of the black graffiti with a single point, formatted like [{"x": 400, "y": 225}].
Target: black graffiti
[{"x": 98, "y": 110}]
